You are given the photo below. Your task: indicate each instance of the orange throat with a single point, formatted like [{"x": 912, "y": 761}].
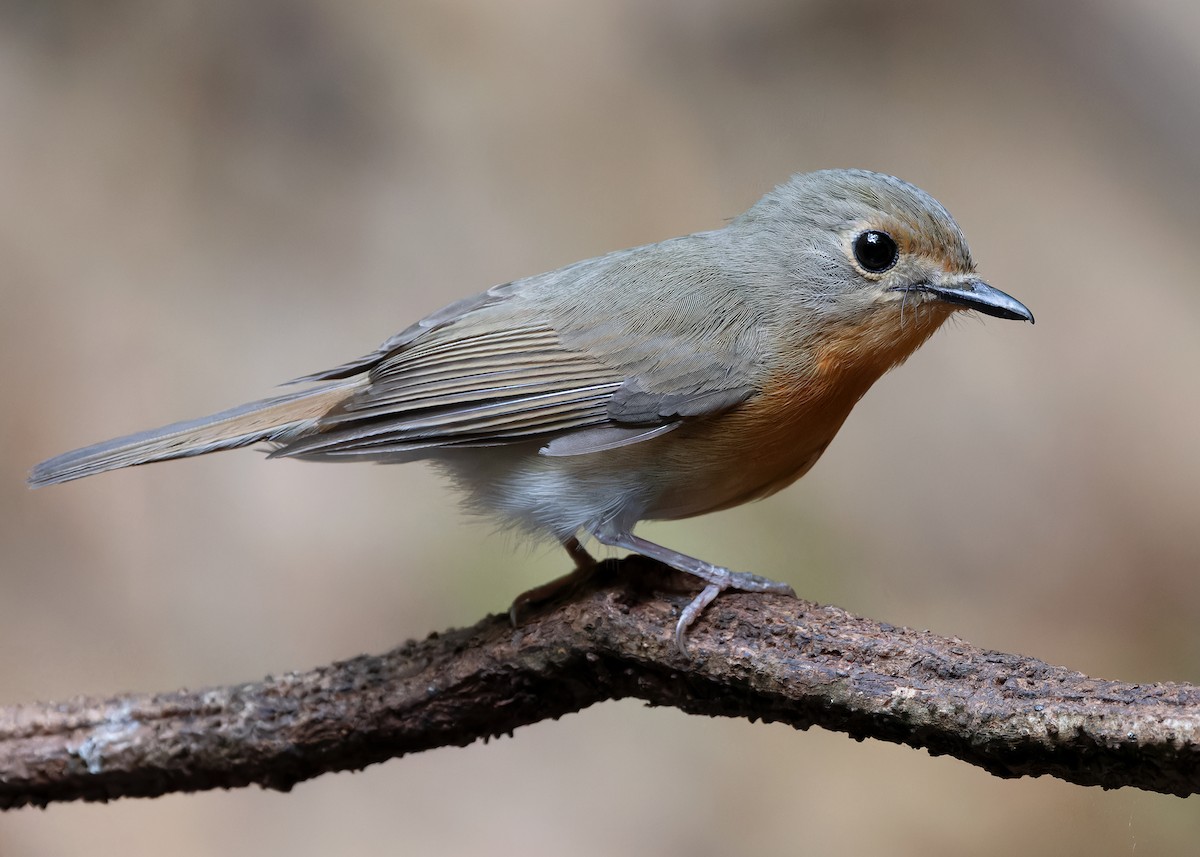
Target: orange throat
[
  {"x": 850, "y": 358},
  {"x": 809, "y": 403}
]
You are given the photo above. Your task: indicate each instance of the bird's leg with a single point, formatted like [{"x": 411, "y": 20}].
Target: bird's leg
[
  {"x": 716, "y": 578},
  {"x": 583, "y": 559},
  {"x": 585, "y": 566}
]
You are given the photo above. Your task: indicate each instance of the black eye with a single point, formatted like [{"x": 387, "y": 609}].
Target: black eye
[{"x": 875, "y": 251}]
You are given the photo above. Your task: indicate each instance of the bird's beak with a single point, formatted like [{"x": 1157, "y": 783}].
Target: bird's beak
[{"x": 977, "y": 295}]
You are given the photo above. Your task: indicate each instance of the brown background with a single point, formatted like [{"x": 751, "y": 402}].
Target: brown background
[{"x": 201, "y": 199}]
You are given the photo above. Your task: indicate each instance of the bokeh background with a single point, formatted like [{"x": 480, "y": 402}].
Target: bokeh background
[{"x": 202, "y": 198}]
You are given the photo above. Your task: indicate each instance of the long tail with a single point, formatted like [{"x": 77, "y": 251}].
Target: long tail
[{"x": 281, "y": 418}]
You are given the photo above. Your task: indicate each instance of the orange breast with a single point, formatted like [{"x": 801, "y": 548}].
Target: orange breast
[{"x": 776, "y": 436}]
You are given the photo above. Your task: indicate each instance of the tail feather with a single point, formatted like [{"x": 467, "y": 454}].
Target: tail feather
[{"x": 281, "y": 418}]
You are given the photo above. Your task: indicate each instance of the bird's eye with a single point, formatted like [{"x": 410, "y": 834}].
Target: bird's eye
[{"x": 875, "y": 251}]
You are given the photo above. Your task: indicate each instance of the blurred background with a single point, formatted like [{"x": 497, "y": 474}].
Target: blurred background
[{"x": 203, "y": 199}]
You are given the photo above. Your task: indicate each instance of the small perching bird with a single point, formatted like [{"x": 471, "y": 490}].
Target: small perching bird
[{"x": 659, "y": 382}]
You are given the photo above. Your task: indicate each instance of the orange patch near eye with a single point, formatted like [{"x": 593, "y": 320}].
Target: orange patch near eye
[{"x": 928, "y": 241}]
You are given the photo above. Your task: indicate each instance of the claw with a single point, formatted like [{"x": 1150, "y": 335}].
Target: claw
[{"x": 692, "y": 612}]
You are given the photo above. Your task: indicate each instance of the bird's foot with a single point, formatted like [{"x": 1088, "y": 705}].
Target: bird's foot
[
  {"x": 718, "y": 580},
  {"x": 561, "y": 587}
]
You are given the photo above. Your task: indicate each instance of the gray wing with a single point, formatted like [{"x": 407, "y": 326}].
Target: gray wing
[
  {"x": 480, "y": 388},
  {"x": 517, "y": 364}
]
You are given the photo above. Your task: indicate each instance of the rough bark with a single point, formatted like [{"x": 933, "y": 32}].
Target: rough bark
[{"x": 761, "y": 657}]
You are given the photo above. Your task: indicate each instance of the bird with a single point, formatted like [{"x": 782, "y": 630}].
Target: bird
[{"x": 654, "y": 383}]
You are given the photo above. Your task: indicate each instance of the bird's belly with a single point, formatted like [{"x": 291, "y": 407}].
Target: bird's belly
[
  {"x": 702, "y": 466},
  {"x": 704, "y": 484},
  {"x": 747, "y": 454}
]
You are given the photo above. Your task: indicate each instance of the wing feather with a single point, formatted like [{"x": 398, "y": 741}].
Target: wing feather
[
  {"x": 572, "y": 360},
  {"x": 505, "y": 420}
]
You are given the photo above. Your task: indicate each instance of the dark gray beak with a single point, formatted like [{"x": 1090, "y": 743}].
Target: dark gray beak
[{"x": 979, "y": 296}]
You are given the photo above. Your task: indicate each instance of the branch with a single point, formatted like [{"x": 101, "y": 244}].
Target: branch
[{"x": 762, "y": 657}]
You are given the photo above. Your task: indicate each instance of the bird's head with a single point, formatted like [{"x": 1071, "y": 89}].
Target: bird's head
[{"x": 851, "y": 243}]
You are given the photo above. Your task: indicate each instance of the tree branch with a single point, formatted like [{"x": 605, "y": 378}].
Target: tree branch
[{"x": 763, "y": 657}]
